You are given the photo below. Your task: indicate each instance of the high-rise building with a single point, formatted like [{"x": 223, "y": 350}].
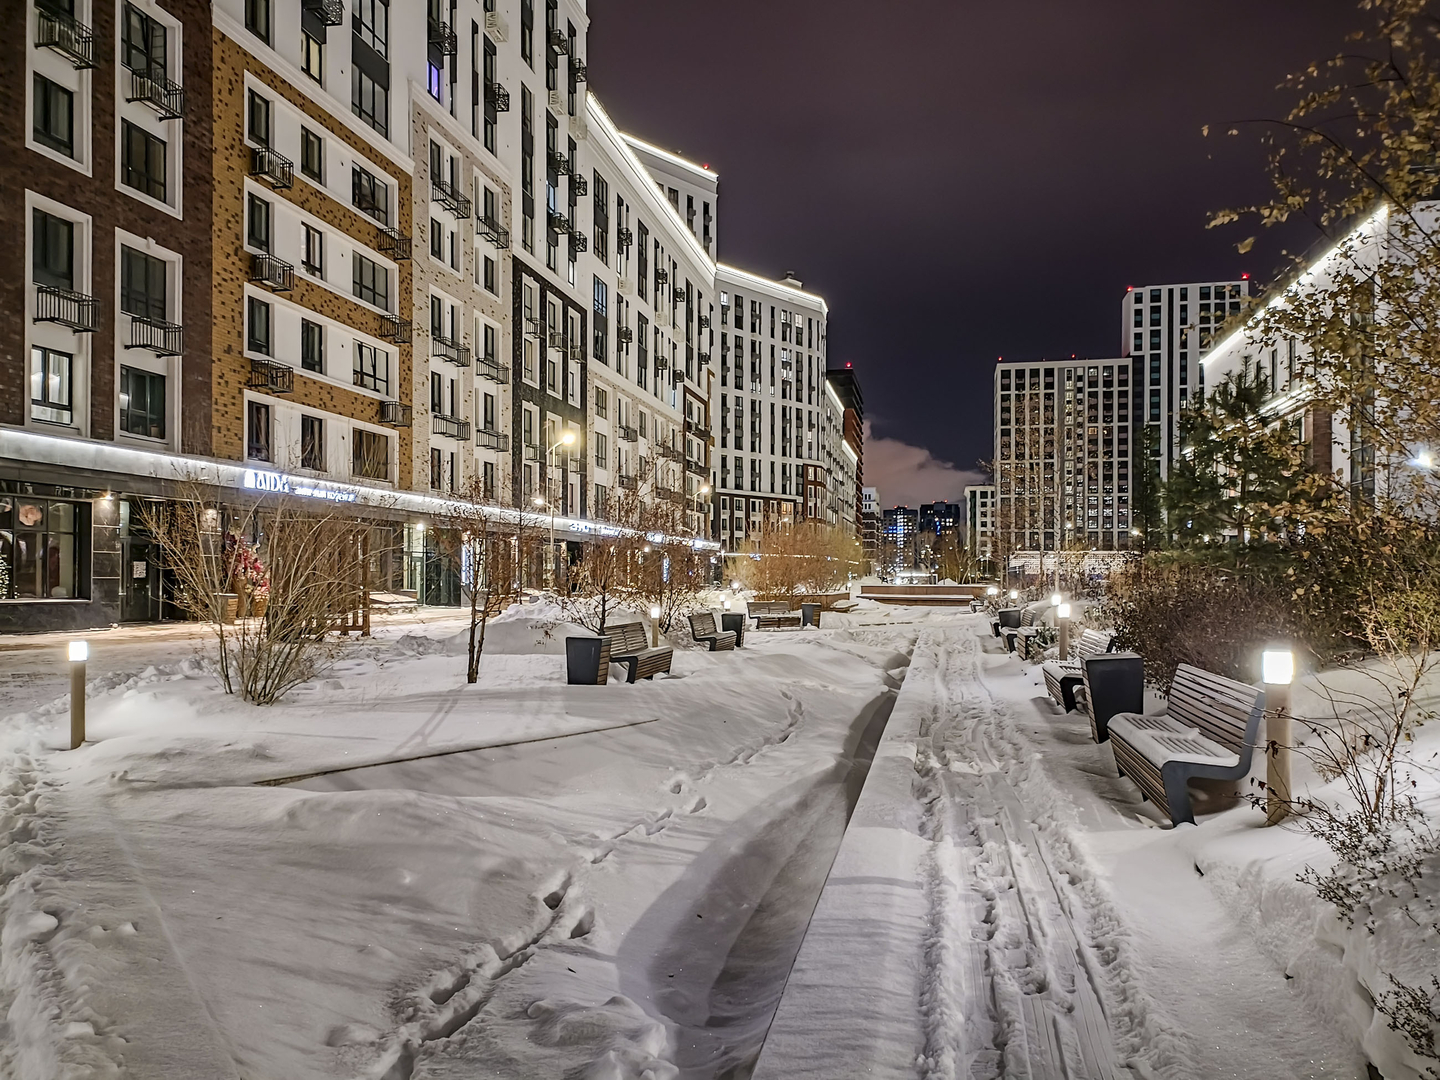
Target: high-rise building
[
  {"x": 980, "y": 520},
  {"x": 899, "y": 538},
  {"x": 847, "y": 388}
]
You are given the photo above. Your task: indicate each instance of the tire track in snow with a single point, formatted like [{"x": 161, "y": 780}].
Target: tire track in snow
[{"x": 1025, "y": 962}]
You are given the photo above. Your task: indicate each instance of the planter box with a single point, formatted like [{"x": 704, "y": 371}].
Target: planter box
[
  {"x": 587, "y": 661},
  {"x": 227, "y": 606}
]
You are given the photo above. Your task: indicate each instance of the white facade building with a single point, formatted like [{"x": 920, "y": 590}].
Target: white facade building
[{"x": 980, "y": 520}]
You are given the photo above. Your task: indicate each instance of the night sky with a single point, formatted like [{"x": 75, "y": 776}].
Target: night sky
[{"x": 964, "y": 181}]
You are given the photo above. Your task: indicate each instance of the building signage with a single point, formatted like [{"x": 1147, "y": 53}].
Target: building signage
[{"x": 259, "y": 480}]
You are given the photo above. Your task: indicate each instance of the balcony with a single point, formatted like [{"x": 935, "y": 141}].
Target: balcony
[
  {"x": 275, "y": 169},
  {"x": 579, "y": 72},
  {"x": 699, "y": 430},
  {"x": 532, "y": 452},
  {"x": 451, "y": 427},
  {"x": 491, "y": 230},
  {"x": 560, "y": 163},
  {"x": 624, "y": 238},
  {"x": 704, "y": 322},
  {"x": 269, "y": 375},
  {"x": 578, "y": 242},
  {"x": 492, "y": 370},
  {"x": 393, "y": 328},
  {"x": 160, "y": 337},
  {"x": 625, "y": 335},
  {"x": 275, "y": 274},
  {"x": 670, "y": 495},
  {"x": 441, "y": 36},
  {"x": 395, "y": 414},
  {"x": 579, "y": 128},
  {"x": 70, "y": 38},
  {"x": 445, "y": 348},
  {"x": 579, "y": 185},
  {"x": 492, "y": 440},
  {"x": 662, "y": 276},
  {"x": 626, "y": 433},
  {"x": 497, "y": 96},
  {"x": 75, "y": 310},
  {"x": 661, "y": 364},
  {"x": 627, "y": 483},
  {"x": 558, "y": 223},
  {"x": 393, "y": 243},
  {"x": 559, "y": 42},
  {"x": 154, "y": 89},
  {"x": 448, "y": 196},
  {"x": 328, "y": 12},
  {"x": 704, "y": 358},
  {"x": 671, "y": 453},
  {"x": 696, "y": 467}
]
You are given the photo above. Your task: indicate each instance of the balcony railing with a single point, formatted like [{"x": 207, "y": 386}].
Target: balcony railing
[
  {"x": 559, "y": 41},
  {"x": 498, "y": 96},
  {"x": 160, "y": 337},
  {"x": 448, "y": 196},
  {"x": 671, "y": 453},
  {"x": 496, "y": 26},
  {"x": 625, "y": 335},
  {"x": 579, "y": 185},
  {"x": 493, "y": 231},
  {"x": 492, "y": 440},
  {"x": 532, "y": 452},
  {"x": 696, "y": 467},
  {"x": 269, "y": 375},
  {"x": 704, "y": 358},
  {"x": 393, "y": 243},
  {"x": 275, "y": 169},
  {"x": 669, "y": 495},
  {"x": 68, "y": 308},
  {"x": 561, "y": 163},
  {"x": 329, "y": 12},
  {"x": 66, "y": 35},
  {"x": 559, "y": 223},
  {"x": 442, "y": 36},
  {"x": 396, "y": 414},
  {"x": 628, "y": 433},
  {"x": 393, "y": 328},
  {"x": 267, "y": 270},
  {"x": 627, "y": 483},
  {"x": 492, "y": 370},
  {"x": 704, "y": 322},
  {"x": 154, "y": 89},
  {"x": 624, "y": 238},
  {"x": 451, "y": 426},
  {"x": 579, "y": 72},
  {"x": 449, "y": 349},
  {"x": 699, "y": 430},
  {"x": 578, "y": 242}
]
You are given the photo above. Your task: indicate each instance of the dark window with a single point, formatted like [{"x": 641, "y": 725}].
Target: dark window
[
  {"x": 491, "y": 112},
  {"x": 312, "y": 346},
  {"x": 313, "y": 250},
  {"x": 312, "y": 155},
  {"x": 369, "y": 100},
  {"x": 142, "y": 284},
  {"x": 370, "y": 195},
  {"x": 491, "y": 284},
  {"x": 142, "y": 402},
  {"x": 142, "y": 161},
  {"x": 370, "y": 454},
  {"x": 54, "y": 116},
  {"x": 257, "y": 431},
  {"x": 643, "y": 266},
  {"x": 51, "y": 385},
  {"x": 257, "y": 231},
  {"x": 527, "y": 32},
  {"x": 52, "y": 244},
  {"x": 312, "y": 56},
  {"x": 435, "y": 469},
  {"x": 601, "y": 322},
  {"x": 257, "y": 326},
  {"x": 602, "y": 218},
  {"x": 312, "y": 443},
  {"x": 258, "y": 115},
  {"x": 40, "y": 549},
  {"x": 372, "y": 24},
  {"x": 372, "y": 282},
  {"x": 372, "y": 368},
  {"x": 257, "y": 19},
  {"x": 142, "y": 43}
]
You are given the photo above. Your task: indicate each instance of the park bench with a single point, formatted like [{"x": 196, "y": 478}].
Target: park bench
[
  {"x": 1005, "y": 617},
  {"x": 702, "y": 628},
  {"x": 1011, "y": 633},
  {"x": 630, "y": 645},
  {"x": 772, "y": 614},
  {"x": 1062, "y": 676},
  {"x": 1208, "y": 730}
]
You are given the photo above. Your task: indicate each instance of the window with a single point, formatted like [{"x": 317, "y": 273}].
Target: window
[
  {"x": 312, "y": 443},
  {"x": 142, "y": 403},
  {"x": 257, "y": 231},
  {"x": 487, "y": 412},
  {"x": 602, "y": 451},
  {"x": 602, "y": 403},
  {"x": 312, "y": 56},
  {"x": 490, "y": 338},
  {"x": 490, "y": 283},
  {"x": 602, "y": 322},
  {"x": 52, "y": 244},
  {"x": 142, "y": 284},
  {"x": 369, "y": 100},
  {"x": 436, "y": 468},
  {"x": 313, "y": 256},
  {"x": 487, "y": 475},
  {"x": 51, "y": 385},
  {"x": 54, "y": 116},
  {"x": 527, "y": 32},
  {"x": 370, "y": 195},
  {"x": 312, "y": 155},
  {"x": 437, "y": 240},
  {"x": 257, "y": 326},
  {"x": 602, "y": 218},
  {"x": 372, "y": 368},
  {"x": 372, "y": 24},
  {"x": 257, "y": 431},
  {"x": 142, "y": 161},
  {"x": 39, "y": 549},
  {"x": 312, "y": 346},
  {"x": 257, "y": 113},
  {"x": 143, "y": 43},
  {"x": 257, "y": 19},
  {"x": 370, "y": 455},
  {"x": 372, "y": 282}
]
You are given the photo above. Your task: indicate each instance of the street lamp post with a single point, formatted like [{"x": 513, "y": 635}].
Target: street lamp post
[
  {"x": 567, "y": 439},
  {"x": 78, "y": 652},
  {"x": 1062, "y": 618},
  {"x": 1277, "y": 672}
]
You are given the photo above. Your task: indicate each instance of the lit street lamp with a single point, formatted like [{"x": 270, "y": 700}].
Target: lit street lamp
[
  {"x": 567, "y": 439},
  {"x": 1062, "y": 617},
  {"x": 1277, "y": 672},
  {"x": 655, "y": 626},
  {"x": 78, "y": 652}
]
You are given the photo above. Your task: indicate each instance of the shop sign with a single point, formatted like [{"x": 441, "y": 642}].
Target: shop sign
[{"x": 259, "y": 480}]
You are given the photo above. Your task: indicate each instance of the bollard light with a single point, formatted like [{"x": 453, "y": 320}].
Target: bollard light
[
  {"x": 1062, "y": 616},
  {"x": 992, "y": 591},
  {"x": 1055, "y": 599},
  {"x": 655, "y": 626},
  {"x": 726, "y": 602},
  {"x": 1062, "y": 611},
  {"x": 1014, "y": 594},
  {"x": 78, "y": 652},
  {"x": 1277, "y": 672}
]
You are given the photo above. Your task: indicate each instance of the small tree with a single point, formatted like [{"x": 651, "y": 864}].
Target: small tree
[{"x": 609, "y": 572}]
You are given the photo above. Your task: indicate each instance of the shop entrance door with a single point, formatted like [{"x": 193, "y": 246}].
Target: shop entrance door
[{"x": 141, "y": 583}]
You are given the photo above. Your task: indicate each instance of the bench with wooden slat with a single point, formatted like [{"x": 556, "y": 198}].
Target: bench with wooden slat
[
  {"x": 1062, "y": 676},
  {"x": 1010, "y": 633},
  {"x": 772, "y": 614},
  {"x": 630, "y": 645},
  {"x": 702, "y": 628},
  {"x": 1209, "y": 729},
  {"x": 1005, "y": 617}
]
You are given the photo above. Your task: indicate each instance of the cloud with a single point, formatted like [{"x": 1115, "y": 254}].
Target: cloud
[{"x": 910, "y": 475}]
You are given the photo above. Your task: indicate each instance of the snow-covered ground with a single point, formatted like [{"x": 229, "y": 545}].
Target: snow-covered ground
[{"x": 527, "y": 879}]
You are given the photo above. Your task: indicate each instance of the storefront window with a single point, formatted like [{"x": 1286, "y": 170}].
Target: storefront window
[{"x": 39, "y": 549}]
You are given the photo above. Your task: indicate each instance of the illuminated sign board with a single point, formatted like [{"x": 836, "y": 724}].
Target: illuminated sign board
[{"x": 279, "y": 483}]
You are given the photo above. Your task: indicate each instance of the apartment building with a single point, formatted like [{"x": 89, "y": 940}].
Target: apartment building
[
  {"x": 980, "y": 520},
  {"x": 1063, "y": 454},
  {"x": 846, "y": 385},
  {"x": 771, "y": 400},
  {"x": 870, "y": 521},
  {"x": 691, "y": 189}
]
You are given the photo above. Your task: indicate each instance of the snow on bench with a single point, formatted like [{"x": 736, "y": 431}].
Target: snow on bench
[
  {"x": 702, "y": 628},
  {"x": 1062, "y": 676},
  {"x": 772, "y": 614},
  {"x": 630, "y": 645}
]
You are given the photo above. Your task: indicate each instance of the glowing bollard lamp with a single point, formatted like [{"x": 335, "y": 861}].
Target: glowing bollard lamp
[
  {"x": 1277, "y": 672},
  {"x": 655, "y": 626},
  {"x": 79, "y": 652},
  {"x": 1062, "y": 619},
  {"x": 1014, "y": 594}
]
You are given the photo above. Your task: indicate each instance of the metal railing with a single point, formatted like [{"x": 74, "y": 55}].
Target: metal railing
[
  {"x": 625, "y": 335},
  {"x": 396, "y": 414},
  {"x": 65, "y": 34},
  {"x": 160, "y": 337},
  {"x": 271, "y": 375},
  {"x": 579, "y": 185},
  {"x": 66, "y": 307},
  {"x": 277, "y": 274},
  {"x": 497, "y": 96},
  {"x": 448, "y": 196},
  {"x": 493, "y": 231},
  {"x": 451, "y": 426},
  {"x": 329, "y": 12},
  {"x": 393, "y": 328},
  {"x": 449, "y": 349},
  {"x": 560, "y": 163},
  {"x": 628, "y": 483},
  {"x": 627, "y": 433},
  {"x": 492, "y": 440},
  {"x": 492, "y": 370},
  {"x": 154, "y": 89},
  {"x": 275, "y": 169},
  {"x": 442, "y": 36},
  {"x": 559, "y": 41},
  {"x": 393, "y": 243},
  {"x": 671, "y": 453}
]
